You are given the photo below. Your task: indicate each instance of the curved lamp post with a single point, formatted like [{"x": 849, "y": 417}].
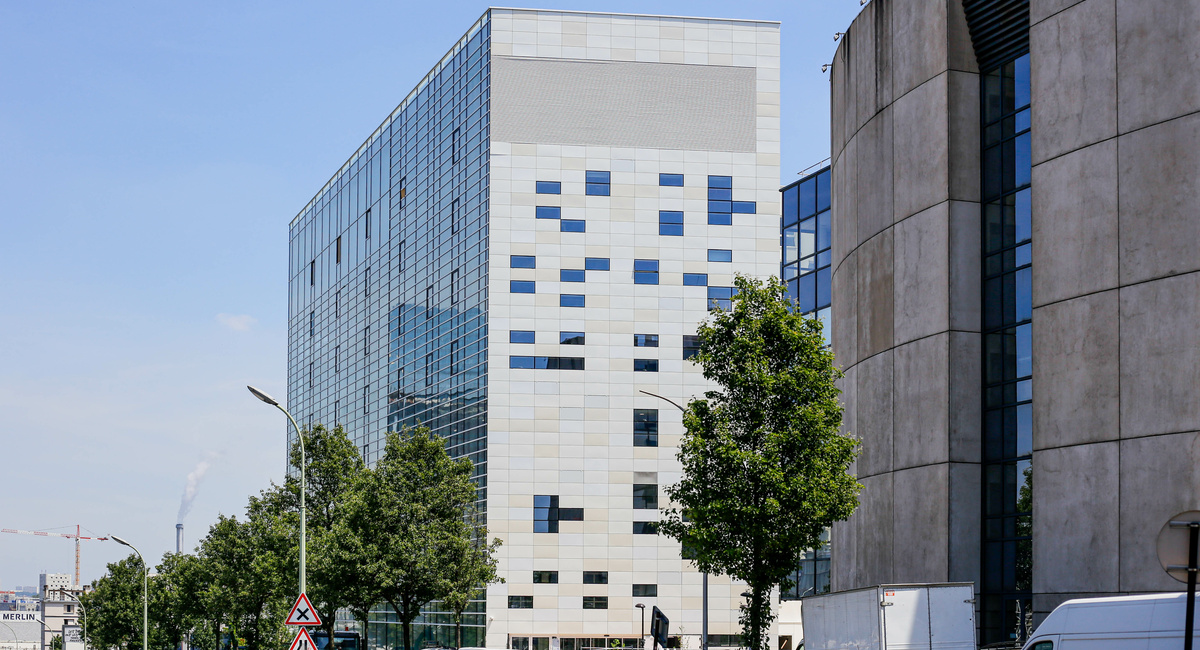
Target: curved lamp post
[
  {"x": 273, "y": 402},
  {"x": 704, "y": 604},
  {"x": 642, "y": 641},
  {"x": 16, "y": 641},
  {"x": 145, "y": 592}
]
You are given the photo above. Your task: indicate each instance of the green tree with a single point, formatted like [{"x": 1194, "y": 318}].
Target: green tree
[
  {"x": 470, "y": 573},
  {"x": 114, "y": 606},
  {"x": 332, "y": 464},
  {"x": 56, "y": 643},
  {"x": 408, "y": 519},
  {"x": 764, "y": 466}
]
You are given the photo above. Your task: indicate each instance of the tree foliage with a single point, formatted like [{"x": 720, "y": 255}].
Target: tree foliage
[
  {"x": 400, "y": 533},
  {"x": 764, "y": 466}
]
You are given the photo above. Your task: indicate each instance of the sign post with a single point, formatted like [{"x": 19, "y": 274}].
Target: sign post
[
  {"x": 1179, "y": 554},
  {"x": 658, "y": 627}
]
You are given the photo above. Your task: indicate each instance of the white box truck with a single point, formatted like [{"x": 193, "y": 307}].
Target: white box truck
[
  {"x": 892, "y": 617},
  {"x": 1144, "y": 622}
]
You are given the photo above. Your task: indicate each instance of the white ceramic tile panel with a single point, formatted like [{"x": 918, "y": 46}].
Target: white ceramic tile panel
[{"x": 568, "y": 432}]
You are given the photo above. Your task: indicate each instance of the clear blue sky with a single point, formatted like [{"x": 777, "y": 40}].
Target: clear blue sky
[{"x": 151, "y": 157}]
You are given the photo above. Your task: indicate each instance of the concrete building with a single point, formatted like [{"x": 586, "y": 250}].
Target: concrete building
[
  {"x": 524, "y": 245},
  {"x": 1014, "y": 294}
]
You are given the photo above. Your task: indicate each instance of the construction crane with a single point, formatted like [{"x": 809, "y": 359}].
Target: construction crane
[{"x": 76, "y": 537}]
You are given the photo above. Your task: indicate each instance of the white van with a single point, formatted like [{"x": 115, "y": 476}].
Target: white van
[{"x": 1149, "y": 622}]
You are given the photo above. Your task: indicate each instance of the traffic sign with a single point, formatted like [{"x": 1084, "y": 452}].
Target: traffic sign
[
  {"x": 658, "y": 626},
  {"x": 302, "y": 641},
  {"x": 303, "y": 613}
]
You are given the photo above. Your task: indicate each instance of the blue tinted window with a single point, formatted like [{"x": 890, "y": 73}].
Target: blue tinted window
[
  {"x": 572, "y": 225},
  {"x": 720, "y": 219},
  {"x": 823, "y": 194},
  {"x": 725, "y": 182},
  {"x": 645, "y": 271},
  {"x": 522, "y": 261},
  {"x": 645, "y": 340},
  {"x": 720, "y": 255},
  {"x": 720, "y": 206},
  {"x": 645, "y": 365},
  {"x": 596, "y": 264},
  {"x": 571, "y": 338},
  {"x": 791, "y": 211},
  {"x": 570, "y": 300},
  {"x": 520, "y": 336},
  {"x": 695, "y": 279},
  {"x": 597, "y": 183},
  {"x": 571, "y": 275},
  {"x": 548, "y": 212},
  {"x": 720, "y": 297},
  {"x": 521, "y": 286},
  {"x": 549, "y": 187},
  {"x": 671, "y": 180},
  {"x": 744, "y": 207},
  {"x": 520, "y": 362},
  {"x": 719, "y": 194},
  {"x": 807, "y": 202},
  {"x": 670, "y": 223},
  {"x": 645, "y": 265}
]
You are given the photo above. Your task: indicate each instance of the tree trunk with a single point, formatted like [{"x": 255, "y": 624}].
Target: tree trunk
[{"x": 458, "y": 631}]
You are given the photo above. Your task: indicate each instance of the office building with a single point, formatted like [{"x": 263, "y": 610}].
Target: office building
[
  {"x": 524, "y": 246},
  {"x": 1014, "y": 294}
]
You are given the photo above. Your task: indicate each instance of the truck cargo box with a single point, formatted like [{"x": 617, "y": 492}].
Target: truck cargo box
[{"x": 892, "y": 617}]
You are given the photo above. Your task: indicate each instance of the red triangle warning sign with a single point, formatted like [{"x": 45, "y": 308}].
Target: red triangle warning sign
[
  {"x": 303, "y": 613},
  {"x": 303, "y": 641}
]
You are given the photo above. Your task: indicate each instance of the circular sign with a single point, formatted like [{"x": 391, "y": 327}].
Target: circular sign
[{"x": 1173, "y": 543}]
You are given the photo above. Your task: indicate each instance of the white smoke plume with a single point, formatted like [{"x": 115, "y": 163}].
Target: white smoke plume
[{"x": 192, "y": 488}]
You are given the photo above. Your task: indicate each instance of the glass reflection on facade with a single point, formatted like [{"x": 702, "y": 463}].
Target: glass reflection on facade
[
  {"x": 807, "y": 254},
  {"x": 388, "y": 290},
  {"x": 1007, "y": 560}
]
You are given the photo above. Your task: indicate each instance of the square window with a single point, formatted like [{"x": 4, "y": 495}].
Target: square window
[
  {"x": 545, "y": 577},
  {"x": 645, "y": 365},
  {"x": 570, "y": 300},
  {"x": 596, "y": 263},
  {"x": 595, "y": 577},
  {"x": 645, "y": 528},
  {"x": 521, "y": 286},
  {"x": 548, "y": 212},
  {"x": 720, "y": 298},
  {"x": 522, "y": 262},
  {"x": 695, "y": 279},
  {"x": 724, "y": 182},
  {"x": 691, "y": 345},
  {"x": 520, "y": 602},
  {"x": 570, "y": 338},
  {"x": 520, "y": 336},
  {"x": 670, "y": 180},
  {"x": 572, "y": 225},
  {"x": 645, "y": 427},
  {"x": 598, "y": 183},
  {"x": 720, "y": 255},
  {"x": 645, "y": 496},
  {"x": 645, "y": 591},
  {"x": 720, "y": 219},
  {"x": 645, "y": 340},
  {"x": 571, "y": 275},
  {"x": 520, "y": 362},
  {"x": 645, "y": 271},
  {"x": 549, "y": 187},
  {"x": 670, "y": 223},
  {"x": 595, "y": 602}
]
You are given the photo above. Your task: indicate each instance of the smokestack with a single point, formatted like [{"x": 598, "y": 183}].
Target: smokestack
[{"x": 178, "y": 538}]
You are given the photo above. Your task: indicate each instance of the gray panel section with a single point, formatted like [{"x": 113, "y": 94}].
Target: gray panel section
[{"x": 624, "y": 104}]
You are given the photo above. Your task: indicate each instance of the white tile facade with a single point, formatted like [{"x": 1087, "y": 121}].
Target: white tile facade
[{"x": 570, "y": 433}]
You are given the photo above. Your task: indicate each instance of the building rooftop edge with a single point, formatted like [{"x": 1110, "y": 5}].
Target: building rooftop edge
[{"x": 618, "y": 13}]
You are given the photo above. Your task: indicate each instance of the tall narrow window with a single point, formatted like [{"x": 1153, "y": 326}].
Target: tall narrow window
[
  {"x": 454, "y": 147},
  {"x": 367, "y": 282},
  {"x": 645, "y": 427},
  {"x": 429, "y": 369},
  {"x": 337, "y": 352},
  {"x": 310, "y": 374},
  {"x": 367, "y": 341},
  {"x": 337, "y": 408},
  {"x": 454, "y": 287},
  {"x": 312, "y": 323},
  {"x": 338, "y": 250},
  {"x": 337, "y": 304},
  {"x": 367, "y": 224},
  {"x": 312, "y": 273},
  {"x": 400, "y": 256},
  {"x": 454, "y": 216},
  {"x": 365, "y": 394}
]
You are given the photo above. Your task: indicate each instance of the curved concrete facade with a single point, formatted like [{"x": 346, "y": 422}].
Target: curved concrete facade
[
  {"x": 906, "y": 291},
  {"x": 1116, "y": 290}
]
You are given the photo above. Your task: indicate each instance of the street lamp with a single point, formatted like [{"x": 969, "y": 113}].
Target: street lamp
[
  {"x": 642, "y": 641},
  {"x": 16, "y": 641},
  {"x": 273, "y": 402},
  {"x": 704, "y": 592},
  {"x": 145, "y": 593}
]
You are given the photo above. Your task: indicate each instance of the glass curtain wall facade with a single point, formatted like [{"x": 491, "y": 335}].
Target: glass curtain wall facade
[
  {"x": 1006, "y": 563},
  {"x": 388, "y": 290},
  {"x": 805, "y": 235},
  {"x": 806, "y": 244}
]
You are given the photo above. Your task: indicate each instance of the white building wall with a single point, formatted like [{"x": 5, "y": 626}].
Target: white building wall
[{"x": 570, "y": 433}]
